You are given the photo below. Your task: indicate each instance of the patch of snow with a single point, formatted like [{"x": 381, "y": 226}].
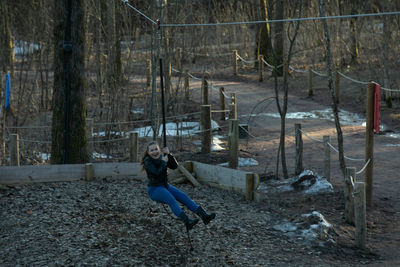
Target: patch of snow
[
  {"x": 346, "y": 118},
  {"x": 243, "y": 162},
  {"x": 309, "y": 228},
  {"x": 138, "y": 111},
  {"x": 96, "y": 155},
  {"x": 321, "y": 185},
  {"x": 174, "y": 129},
  {"x": 45, "y": 156},
  {"x": 392, "y": 145}
]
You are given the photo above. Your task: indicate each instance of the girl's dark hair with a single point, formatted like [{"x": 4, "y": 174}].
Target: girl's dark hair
[{"x": 146, "y": 152}]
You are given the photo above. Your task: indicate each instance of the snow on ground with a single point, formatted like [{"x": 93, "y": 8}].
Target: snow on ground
[
  {"x": 316, "y": 184},
  {"x": 243, "y": 162},
  {"x": 307, "y": 227}
]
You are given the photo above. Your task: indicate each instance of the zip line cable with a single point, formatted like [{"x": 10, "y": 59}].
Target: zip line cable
[
  {"x": 284, "y": 20},
  {"x": 126, "y": 2}
]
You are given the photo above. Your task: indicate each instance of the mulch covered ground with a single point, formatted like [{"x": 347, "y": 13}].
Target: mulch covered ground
[{"x": 112, "y": 222}]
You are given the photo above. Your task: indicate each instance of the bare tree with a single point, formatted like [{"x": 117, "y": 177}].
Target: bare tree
[
  {"x": 331, "y": 89},
  {"x": 69, "y": 115},
  {"x": 282, "y": 108}
]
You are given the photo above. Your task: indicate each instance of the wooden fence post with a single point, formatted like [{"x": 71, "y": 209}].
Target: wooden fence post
[
  {"x": 260, "y": 68},
  {"x": 134, "y": 147},
  {"x": 233, "y": 107},
  {"x": 179, "y": 59},
  {"x": 349, "y": 180},
  {"x": 233, "y": 143},
  {"x": 299, "y": 149},
  {"x": 168, "y": 84},
  {"x": 205, "y": 127},
  {"x": 14, "y": 150},
  {"x": 360, "y": 215},
  {"x": 204, "y": 89},
  {"x": 369, "y": 146},
  {"x": 310, "y": 85},
  {"x": 337, "y": 85},
  {"x": 89, "y": 136},
  {"x": 186, "y": 84},
  {"x": 89, "y": 172},
  {"x": 235, "y": 67},
  {"x": 148, "y": 73},
  {"x": 249, "y": 186},
  {"x": 222, "y": 102},
  {"x": 327, "y": 158},
  {"x": 2, "y": 124}
]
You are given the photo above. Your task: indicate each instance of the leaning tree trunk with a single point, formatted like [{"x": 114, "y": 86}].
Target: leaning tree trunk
[
  {"x": 75, "y": 144},
  {"x": 331, "y": 89}
]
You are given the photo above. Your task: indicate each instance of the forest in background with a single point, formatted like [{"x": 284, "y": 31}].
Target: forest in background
[{"x": 117, "y": 42}]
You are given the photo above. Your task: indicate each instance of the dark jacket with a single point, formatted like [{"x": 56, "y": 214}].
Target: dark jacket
[{"x": 156, "y": 170}]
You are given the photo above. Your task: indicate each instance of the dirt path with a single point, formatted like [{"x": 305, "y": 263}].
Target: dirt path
[{"x": 384, "y": 216}]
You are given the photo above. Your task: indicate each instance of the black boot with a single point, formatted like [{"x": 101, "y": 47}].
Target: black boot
[
  {"x": 204, "y": 215},
  {"x": 189, "y": 223}
]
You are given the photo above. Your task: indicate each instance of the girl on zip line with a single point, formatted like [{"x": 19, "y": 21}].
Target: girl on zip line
[{"x": 155, "y": 162}]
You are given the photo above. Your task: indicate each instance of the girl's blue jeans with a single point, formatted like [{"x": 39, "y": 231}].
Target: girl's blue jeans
[{"x": 171, "y": 196}]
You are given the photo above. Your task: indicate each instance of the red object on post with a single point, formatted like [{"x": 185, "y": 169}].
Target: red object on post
[{"x": 377, "y": 107}]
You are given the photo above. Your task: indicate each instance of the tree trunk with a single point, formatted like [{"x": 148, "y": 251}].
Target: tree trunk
[
  {"x": 264, "y": 43},
  {"x": 6, "y": 42},
  {"x": 331, "y": 89},
  {"x": 354, "y": 38},
  {"x": 279, "y": 39},
  {"x": 76, "y": 145},
  {"x": 283, "y": 108}
]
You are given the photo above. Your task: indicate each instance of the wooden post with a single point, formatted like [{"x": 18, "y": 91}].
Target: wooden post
[
  {"x": 360, "y": 215},
  {"x": 188, "y": 175},
  {"x": 299, "y": 149},
  {"x": 222, "y": 102},
  {"x": 186, "y": 84},
  {"x": 232, "y": 107},
  {"x": 179, "y": 59},
  {"x": 148, "y": 73},
  {"x": 14, "y": 150},
  {"x": 369, "y": 140},
  {"x": 233, "y": 98},
  {"x": 249, "y": 186},
  {"x": 89, "y": 172},
  {"x": 327, "y": 158},
  {"x": 204, "y": 89},
  {"x": 134, "y": 147},
  {"x": 235, "y": 67},
  {"x": 310, "y": 74},
  {"x": 349, "y": 179},
  {"x": 168, "y": 84},
  {"x": 260, "y": 68},
  {"x": 205, "y": 127},
  {"x": 2, "y": 124},
  {"x": 233, "y": 143},
  {"x": 89, "y": 136},
  {"x": 137, "y": 38},
  {"x": 337, "y": 85}
]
